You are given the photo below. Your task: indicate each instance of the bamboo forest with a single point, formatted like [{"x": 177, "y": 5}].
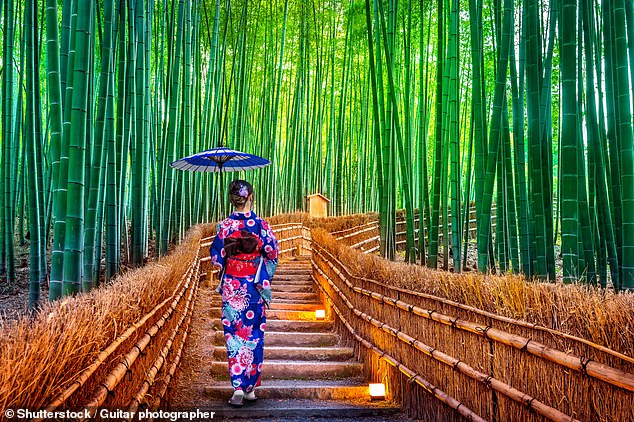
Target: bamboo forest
[
  {"x": 425, "y": 207},
  {"x": 458, "y": 112}
]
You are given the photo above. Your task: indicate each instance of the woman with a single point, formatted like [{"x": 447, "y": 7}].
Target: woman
[{"x": 245, "y": 250}]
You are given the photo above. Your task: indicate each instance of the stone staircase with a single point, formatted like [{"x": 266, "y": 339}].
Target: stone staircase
[{"x": 306, "y": 372}]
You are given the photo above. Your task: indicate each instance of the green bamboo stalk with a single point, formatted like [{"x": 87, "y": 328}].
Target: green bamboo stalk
[
  {"x": 603, "y": 203},
  {"x": 61, "y": 196},
  {"x": 569, "y": 154},
  {"x": 454, "y": 134},
  {"x": 484, "y": 225},
  {"x": 139, "y": 191},
  {"x": 171, "y": 133},
  {"x": 625, "y": 139},
  {"x": 432, "y": 260},
  {"x": 8, "y": 146},
  {"x": 33, "y": 151},
  {"x": 74, "y": 241},
  {"x": 519, "y": 154}
]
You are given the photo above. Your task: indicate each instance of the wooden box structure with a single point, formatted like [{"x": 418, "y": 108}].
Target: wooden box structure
[{"x": 317, "y": 205}]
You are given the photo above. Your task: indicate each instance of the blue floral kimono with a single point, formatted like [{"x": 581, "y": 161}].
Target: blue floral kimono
[{"x": 246, "y": 288}]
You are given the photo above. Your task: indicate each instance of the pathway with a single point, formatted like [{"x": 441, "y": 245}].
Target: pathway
[{"x": 307, "y": 373}]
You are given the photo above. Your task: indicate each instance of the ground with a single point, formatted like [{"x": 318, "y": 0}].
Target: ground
[{"x": 14, "y": 298}]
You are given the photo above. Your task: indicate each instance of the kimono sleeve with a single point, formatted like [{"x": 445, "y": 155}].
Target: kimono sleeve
[
  {"x": 269, "y": 249},
  {"x": 217, "y": 249}
]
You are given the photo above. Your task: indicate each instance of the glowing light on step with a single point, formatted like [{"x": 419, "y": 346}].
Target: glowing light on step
[
  {"x": 377, "y": 391},
  {"x": 320, "y": 314}
]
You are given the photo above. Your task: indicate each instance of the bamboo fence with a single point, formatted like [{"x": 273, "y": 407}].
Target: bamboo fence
[{"x": 496, "y": 367}]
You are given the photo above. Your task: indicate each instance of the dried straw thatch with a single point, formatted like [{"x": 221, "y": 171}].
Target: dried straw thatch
[{"x": 599, "y": 315}]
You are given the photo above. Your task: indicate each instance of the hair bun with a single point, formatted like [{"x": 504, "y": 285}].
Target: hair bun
[{"x": 239, "y": 191}]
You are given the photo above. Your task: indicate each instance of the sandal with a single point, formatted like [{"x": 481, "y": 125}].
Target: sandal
[
  {"x": 250, "y": 397},
  {"x": 237, "y": 400}
]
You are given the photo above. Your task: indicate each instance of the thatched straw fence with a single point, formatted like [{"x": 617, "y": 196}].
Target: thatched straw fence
[
  {"x": 117, "y": 347},
  {"x": 496, "y": 348},
  {"x": 107, "y": 348}
]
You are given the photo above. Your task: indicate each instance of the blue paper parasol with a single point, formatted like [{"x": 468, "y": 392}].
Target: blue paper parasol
[{"x": 220, "y": 160}]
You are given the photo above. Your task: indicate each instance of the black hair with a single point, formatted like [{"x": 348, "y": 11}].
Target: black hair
[{"x": 239, "y": 192}]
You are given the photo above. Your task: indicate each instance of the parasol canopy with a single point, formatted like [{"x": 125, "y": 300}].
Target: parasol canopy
[{"x": 220, "y": 160}]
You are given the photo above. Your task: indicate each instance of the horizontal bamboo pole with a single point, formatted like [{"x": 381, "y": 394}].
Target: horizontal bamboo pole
[
  {"x": 376, "y": 248},
  {"x": 160, "y": 360},
  {"x": 524, "y": 324},
  {"x": 288, "y": 239},
  {"x": 361, "y": 231},
  {"x": 366, "y": 241},
  {"x": 115, "y": 376},
  {"x": 83, "y": 376},
  {"x": 501, "y": 387},
  {"x": 429, "y": 387},
  {"x": 372, "y": 223}
]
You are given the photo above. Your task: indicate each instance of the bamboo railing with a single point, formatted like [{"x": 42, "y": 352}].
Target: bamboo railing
[
  {"x": 496, "y": 367},
  {"x": 110, "y": 382},
  {"x": 366, "y": 238}
]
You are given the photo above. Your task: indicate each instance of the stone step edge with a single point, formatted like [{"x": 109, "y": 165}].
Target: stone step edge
[
  {"x": 280, "y": 391},
  {"x": 351, "y": 412},
  {"x": 299, "y": 353}
]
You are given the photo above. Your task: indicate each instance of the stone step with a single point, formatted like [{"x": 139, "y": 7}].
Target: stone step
[
  {"x": 287, "y": 369},
  {"x": 290, "y": 326},
  {"x": 312, "y": 301},
  {"x": 277, "y": 338},
  {"x": 282, "y": 325},
  {"x": 289, "y": 314},
  {"x": 292, "y": 279},
  {"x": 281, "y": 306},
  {"x": 292, "y": 288},
  {"x": 302, "y": 410},
  {"x": 280, "y": 294},
  {"x": 314, "y": 354},
  {"x": 293, "y": 271},
  {"x": 296, "y": 264},
  {"x": 348, "y": 389}
]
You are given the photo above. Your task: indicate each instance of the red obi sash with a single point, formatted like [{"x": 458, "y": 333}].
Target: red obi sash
[{"x": 243, "y": 254}]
